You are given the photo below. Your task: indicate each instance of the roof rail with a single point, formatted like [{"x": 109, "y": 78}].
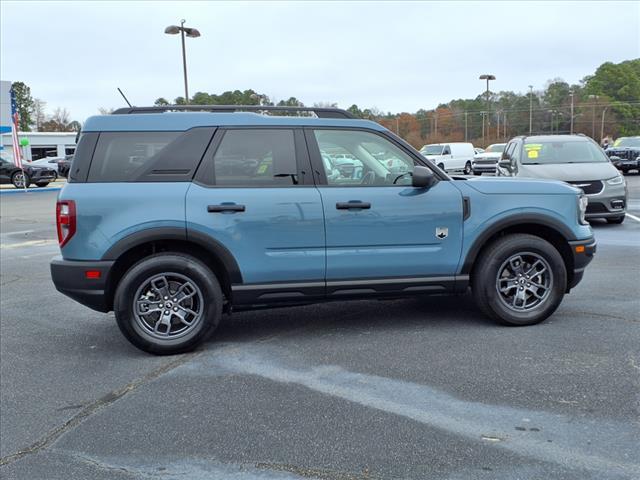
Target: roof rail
[{"x": 321, "y": 112}]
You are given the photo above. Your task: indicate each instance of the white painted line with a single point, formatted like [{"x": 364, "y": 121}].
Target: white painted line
[
  {"x": 29, "y": 243},
  {"x": 637, "y": 219}
]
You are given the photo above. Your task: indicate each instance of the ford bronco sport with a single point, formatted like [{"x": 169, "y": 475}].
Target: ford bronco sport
[{"x": 174, "y": 215}]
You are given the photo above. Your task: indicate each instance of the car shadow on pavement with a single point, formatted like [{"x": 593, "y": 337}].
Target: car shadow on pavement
[{"x": 437, "y": 312}]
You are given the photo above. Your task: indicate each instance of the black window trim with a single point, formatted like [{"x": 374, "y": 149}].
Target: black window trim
[
  {"x": 320, "y": 176},
  {"x": 204, "y": 176}
]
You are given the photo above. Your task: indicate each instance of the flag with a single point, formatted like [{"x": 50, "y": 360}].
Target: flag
[{"x": 15, "y": 118}]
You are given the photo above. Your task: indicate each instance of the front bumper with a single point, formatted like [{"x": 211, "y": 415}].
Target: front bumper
[
  {"x": 483, "y": 167},
  {"x": 42, "y": 176},
  {"x": 69, "y": 277},
  {"x": 582, "y": 251},
  {"x": 610, "y": 202},
  {"x": 625, "y": 165}
]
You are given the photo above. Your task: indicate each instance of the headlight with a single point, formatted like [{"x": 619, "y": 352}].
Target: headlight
[
  {"x": 616, "y": 180},
  {"x": 582, "y": 209}
]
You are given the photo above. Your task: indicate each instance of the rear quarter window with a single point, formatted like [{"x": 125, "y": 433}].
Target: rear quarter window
[{"x": 124, "y": 156}]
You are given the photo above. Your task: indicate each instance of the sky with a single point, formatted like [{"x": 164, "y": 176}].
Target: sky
[{"x": 395, "y": 56}]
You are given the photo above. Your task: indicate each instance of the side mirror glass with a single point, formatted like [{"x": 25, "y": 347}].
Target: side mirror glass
[{"x": 422, "y": 177}]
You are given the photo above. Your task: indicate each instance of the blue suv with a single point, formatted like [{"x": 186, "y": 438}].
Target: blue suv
[{"x": 174, "y": 215}]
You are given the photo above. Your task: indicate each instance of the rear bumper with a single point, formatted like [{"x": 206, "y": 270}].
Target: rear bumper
[
  {"x": 583, "y": 252},
  {"x": 69, "y": 277}
]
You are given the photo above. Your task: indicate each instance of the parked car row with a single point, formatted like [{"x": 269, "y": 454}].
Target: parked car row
[
  {"x": 625, "y": 154},
  {"x": 30, "y": 173},
  {"x": 40, "y": 172}
]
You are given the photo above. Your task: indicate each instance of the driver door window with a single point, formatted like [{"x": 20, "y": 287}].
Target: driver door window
[{"x": 357, "y": 158}]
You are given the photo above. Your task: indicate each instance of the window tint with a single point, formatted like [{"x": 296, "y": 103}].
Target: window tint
[
  {"x": 354, "y": 157},
  {"x": 123, "y": 156},
  {"x": 256, "y": 158}
]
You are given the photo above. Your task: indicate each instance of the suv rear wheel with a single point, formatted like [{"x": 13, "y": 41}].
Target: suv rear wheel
[
  {"x": 168, "y": 303},
  {"x": 519, "y": 280}
]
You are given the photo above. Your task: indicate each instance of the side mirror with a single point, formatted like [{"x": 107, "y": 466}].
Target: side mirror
[
  {"x": 422, "y": 177},
  {"x": 505, "y": 161}
]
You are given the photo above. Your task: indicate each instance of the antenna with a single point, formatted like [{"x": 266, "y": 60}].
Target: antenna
[{"x": 125, "y": 98}]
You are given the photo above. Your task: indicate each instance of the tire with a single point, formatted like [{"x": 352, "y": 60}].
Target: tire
[
  {"x": 467, "y": 168},
  {"x": 42, "y": 184},
  {"x": 170, "y": 335},
  {"x": 17, "y": 180},
  {"x": 616, "y": 220},
  {"x": 492, "y": 262}
]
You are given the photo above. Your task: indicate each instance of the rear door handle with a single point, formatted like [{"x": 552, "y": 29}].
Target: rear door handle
[
  {"x": 353, "y": 204},
  {"x": 225, "y": 207}
]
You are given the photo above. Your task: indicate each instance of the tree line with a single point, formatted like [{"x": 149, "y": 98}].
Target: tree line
[{"x": 605, "y": 104}]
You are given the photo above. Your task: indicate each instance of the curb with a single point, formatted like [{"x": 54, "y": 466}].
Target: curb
[{"x": 30, "y": 190}]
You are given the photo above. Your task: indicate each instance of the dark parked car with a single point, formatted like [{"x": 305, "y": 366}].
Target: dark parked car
[
  {"x": 37, "y": 174},
  {"x": 64, "y": 165},
  {"x": 625, "y": 154}
]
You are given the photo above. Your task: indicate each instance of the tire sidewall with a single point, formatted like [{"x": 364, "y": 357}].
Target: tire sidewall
[
  {"x": 191, "y": 268},
  {"x": 501, "y": 252}
]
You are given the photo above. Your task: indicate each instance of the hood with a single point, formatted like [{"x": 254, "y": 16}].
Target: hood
[
  {"x": 525, "y": 186},
  {"x": 569, "y": 172},
  {"x": 488, "y": 156},
  {"x": 36, "y": 167}
]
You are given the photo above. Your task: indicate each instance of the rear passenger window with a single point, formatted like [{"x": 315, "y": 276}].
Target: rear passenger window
[
  {"x": 251, "y": 158},
  {"x": 123, "y": 156}
]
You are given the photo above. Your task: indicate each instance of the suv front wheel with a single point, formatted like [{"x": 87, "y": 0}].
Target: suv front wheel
[
  {"x": 168, "y": 303},
  {"x": 519, "y": 280}
]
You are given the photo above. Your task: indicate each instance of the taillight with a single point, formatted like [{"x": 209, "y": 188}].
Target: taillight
[{"x": 65, "y": 220}]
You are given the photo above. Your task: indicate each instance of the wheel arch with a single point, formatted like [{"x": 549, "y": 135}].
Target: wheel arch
[
  {"x": 545, "y": 227},
  {"x": 139, "y": 245}
]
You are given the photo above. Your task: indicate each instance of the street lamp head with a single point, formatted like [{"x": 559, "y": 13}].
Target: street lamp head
[
  {"x": 172, "y": 30},
  {"x": 191, "y": 32},
  {"x": 487, "y": 77}
]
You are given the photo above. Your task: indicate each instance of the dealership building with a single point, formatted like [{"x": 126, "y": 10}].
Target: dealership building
[
  {"x": 38, "y": 144},
  {"x": 42, "y": 144}
]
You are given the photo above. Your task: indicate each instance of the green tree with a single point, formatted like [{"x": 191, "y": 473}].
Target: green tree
[
  {"x": 160, "y": 102},
  {"x": 25, "y": 105}
]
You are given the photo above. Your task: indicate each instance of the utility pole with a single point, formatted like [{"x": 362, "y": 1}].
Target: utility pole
[
  {"x": 593, "y": 116},
  {"x": 498, "y": 125},
  {"x": 571, "y": 128},
  {"x": 483, "y": 142},
  {"x": 530, "y": 108},
  {"x": 436, "y": 123},
  {"x": 602, "y": 124},
  {"x": 504, "y": 126},
  {"x": 465, "y": 127}
]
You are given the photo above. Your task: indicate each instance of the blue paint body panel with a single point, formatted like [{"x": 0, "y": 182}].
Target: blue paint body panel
[
  {"x": 396, "y": 237},
  {"x": 278, "y": 238},
  {"x": 109, "y": 212}
]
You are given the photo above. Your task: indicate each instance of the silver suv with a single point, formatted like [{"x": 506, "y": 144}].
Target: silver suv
[{"x": 575, "y": 159}]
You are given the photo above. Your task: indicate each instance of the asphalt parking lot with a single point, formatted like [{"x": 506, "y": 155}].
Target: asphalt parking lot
[{"x": 403, "y": 389}]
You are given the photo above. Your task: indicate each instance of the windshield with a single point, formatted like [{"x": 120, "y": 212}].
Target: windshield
[
  {"x": 559, "y": 151},
  {"x": 432, "y": 150},
  {"x": 627, "y": 142},
  {"x": 496, "y": 148}
]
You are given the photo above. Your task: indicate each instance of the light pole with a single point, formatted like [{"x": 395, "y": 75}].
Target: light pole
[
  {"x": 189, "y": 32},
  {"x": 530, "y": 108},
  {"x": 465, "y": 126},
  {"x": 487, "y": 77}
]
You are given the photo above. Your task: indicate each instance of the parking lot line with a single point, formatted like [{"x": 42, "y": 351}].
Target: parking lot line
[{"x": 637, "y": 219}]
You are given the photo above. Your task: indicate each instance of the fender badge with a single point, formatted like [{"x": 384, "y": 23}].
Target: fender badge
[{"x": 442, "y": 232}]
